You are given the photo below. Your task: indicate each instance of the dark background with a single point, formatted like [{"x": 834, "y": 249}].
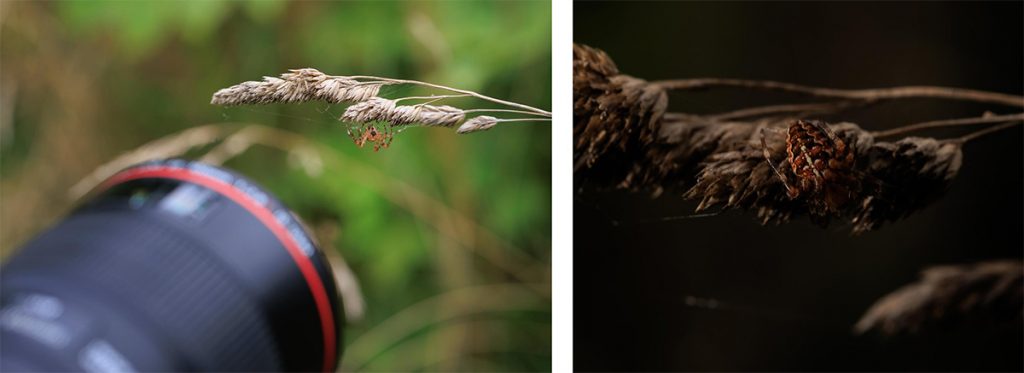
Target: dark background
[{"x": 793, "y": 291}]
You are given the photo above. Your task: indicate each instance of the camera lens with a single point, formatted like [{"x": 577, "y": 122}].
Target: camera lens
[{"x": 172, "y": 266}]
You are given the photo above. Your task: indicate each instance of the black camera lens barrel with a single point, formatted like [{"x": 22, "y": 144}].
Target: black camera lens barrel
[{"x": 173, "y": 265}]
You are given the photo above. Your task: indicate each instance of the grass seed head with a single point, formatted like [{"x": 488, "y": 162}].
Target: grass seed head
[
  {"x": 298, "y": 85},
  {"x": 478, "y": 123},
  {"x": 379, "y": 109},
  {"x": 613, "y": 114},
  {"x": 987, "y": 293}
]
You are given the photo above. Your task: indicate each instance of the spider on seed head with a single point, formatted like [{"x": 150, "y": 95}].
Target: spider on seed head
[
  {"x": 360, "y": 134},
  {"x": 820, "y": 162}
]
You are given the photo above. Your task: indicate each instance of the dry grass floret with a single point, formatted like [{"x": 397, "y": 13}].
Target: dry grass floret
[
  {"x": 603, "y": 97},
  {"x": 298, "y": 85},
  {"x": 980, "y": 294},
  {"x": 379, "y": 109},
  {"x": 479, "y": 123},
  {"x": 373, "y": 118},
  {"x": 892, "y": 179},
  {"x": 625, "y": 138}
]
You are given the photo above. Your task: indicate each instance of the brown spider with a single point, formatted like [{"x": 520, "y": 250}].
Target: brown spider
[
  {"x": 370, "y": 133},
  {"x": 821, "y": 163}
]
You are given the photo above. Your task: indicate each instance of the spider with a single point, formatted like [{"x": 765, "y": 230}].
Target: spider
[
  {"x": 821, "y": 164},
  {"x": 379, "y": 138}
]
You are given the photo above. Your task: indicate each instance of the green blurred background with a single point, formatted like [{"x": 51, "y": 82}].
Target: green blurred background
[{"x": 448, "y": 235}]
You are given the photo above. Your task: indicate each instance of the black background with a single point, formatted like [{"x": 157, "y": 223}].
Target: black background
[{"x": 795, "y": 290}]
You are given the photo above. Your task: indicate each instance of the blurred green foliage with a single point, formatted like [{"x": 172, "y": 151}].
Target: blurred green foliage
[{"x": 90, "y": 80}]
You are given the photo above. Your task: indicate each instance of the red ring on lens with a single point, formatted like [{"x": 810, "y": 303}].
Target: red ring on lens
[{"x": 264, "y": 215}]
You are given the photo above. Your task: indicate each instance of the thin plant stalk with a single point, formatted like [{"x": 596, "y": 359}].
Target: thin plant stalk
[
  {"x": 980, "y": 133},
  {"x": 432, "y": 98},
  {"x": 438, "y": 86},
  {"x": 948, "y": 123},
  {"x": 503, "y": 111},
  {"x": 787, "y": 108},
  {"x": 525, "y": 120},
  {"x": 856, "y": 94}
]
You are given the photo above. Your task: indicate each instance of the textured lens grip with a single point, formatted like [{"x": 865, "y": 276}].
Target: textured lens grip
[{"x": 167, "y": 277}]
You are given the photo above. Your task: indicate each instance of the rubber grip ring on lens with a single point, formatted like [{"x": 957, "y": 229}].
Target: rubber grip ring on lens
[{"x": 306, "y": 267}]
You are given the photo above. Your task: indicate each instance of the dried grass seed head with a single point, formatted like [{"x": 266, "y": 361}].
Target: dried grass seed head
[
  {"x": 429, "y": 115},
  {"x": 613, "y": 114},
  {"x": 987, "y": 293},
  {"x": 378, "y": 109},
  {"x": 732, "y": 171},
  {"x": 905, "y": 176},
  {"x": 478, "y": 123},
  {"x": 883, "y": 182},
  {"x": 625, "y": 139},
  {"x": 372, "y": 110},
  {"x": 344, "y": 90},
  {"x": 298, "y": 85}
]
